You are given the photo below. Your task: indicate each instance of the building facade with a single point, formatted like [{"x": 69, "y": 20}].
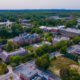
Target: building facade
[
  {"x": 26, "y": 38},
  {"x": 69, "y": 32},
  {"x": 5, "y": 55}
]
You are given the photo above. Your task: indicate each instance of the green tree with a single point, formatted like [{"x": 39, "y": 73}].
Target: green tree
[
  {"x": 11, "y": 46},
  {"x": 63, "y": 50},
  {"x": 11, "y": 77},
  {"x": 49, "y": 39},
  {"x": 69, "y": 74},
  {"x": 64, "y": 73},
  {"x": 76, "y": 40},
  {"x": 43, "y": 62},
  {"x": 15, "y": 59}
]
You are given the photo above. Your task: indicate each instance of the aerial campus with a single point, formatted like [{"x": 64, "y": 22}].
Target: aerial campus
[{"x": 39, "y": 44}]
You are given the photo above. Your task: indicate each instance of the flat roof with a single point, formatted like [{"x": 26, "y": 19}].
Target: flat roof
[
  {"x": 72, "y": 30},
  {"x": 18, "y": 51},
  {"x": 75, "y": 48},
  {"x": 45, "y": 27},
  {"x": 29, "y": 72},
  {"x": 60, "y": 38}
]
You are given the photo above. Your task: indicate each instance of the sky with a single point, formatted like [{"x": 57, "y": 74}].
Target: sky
[{"x": 39, "y": 4}]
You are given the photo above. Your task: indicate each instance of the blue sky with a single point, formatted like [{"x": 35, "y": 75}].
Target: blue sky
[{"x": 39, "y": 4}]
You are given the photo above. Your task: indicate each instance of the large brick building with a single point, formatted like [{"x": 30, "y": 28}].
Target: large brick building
[
  {"x": 61, "y": 30},
  {"x": 69, "y": 32},
  {"x": 26, "y": 38},
  {"x": 5, "y": 55},
  {"x": 54, "y": 30}
]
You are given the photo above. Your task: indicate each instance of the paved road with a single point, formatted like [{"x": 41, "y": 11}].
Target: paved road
[
  {"x": 31, "y": 63},
  {"x": 24, "y": 66}
]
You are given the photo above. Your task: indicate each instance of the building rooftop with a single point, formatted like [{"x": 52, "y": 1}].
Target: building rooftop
[
  {"x": 41, "y": 44},
  {"x": 57, "y": 39},
  {"x": 49, "y": 28},
  {"x": 19, "y": 51},
  {"x": 74, "y": 49},
  {"x": 54, "y": 17},
  {"x": 25, "y": 36},
  {"x": 5, "y": 54},
  {"x": 7, "y": 23},
  {"x": 29, "y": 72},
  {"x": 72, "y": 30}
]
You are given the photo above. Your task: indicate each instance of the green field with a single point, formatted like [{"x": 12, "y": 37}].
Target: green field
[{"x": 60, "y": 63}]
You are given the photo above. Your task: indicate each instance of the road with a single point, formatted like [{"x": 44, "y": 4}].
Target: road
[
  {"x": 21, "y": 67},
  {"x": 32, "y": 63}
]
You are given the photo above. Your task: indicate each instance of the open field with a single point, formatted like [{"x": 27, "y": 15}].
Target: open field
[{"x": 61, "y": 62}]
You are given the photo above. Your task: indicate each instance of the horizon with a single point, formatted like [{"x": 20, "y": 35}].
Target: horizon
[{"x": 40, "y": 9}]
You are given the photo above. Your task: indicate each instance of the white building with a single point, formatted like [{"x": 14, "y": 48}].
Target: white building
[
  {"x": 58, "y": 39},
  {"x": 7, "y": 23}
]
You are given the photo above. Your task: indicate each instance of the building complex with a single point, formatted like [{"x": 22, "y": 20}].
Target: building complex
[
  {"x": 5, "y": 55},
  {"x": 69, "y": 32},
  {"x": 26, "y": 38}
]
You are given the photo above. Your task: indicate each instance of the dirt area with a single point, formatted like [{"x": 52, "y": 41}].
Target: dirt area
[{"x": 62, "y": 62}]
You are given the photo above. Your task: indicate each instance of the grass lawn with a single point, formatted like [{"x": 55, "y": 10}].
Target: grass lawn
[{"x": 59, "y": 63}]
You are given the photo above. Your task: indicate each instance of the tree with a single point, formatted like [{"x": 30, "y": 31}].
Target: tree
[
  {"x": 76, "y": 40},
  {"x": 11, "y": 46},
  {"x": 74, "y": 75},
  {"x": 53, "y": 58},
  {"x": 64, "y": 73},
  {"x": 3, "y": 68},
  {"x": 15, "y": 59},
  {"x": 49, "y": 39},
  {"x": 11, "y": 77},
  {"x": 3, "y": 32},
  {"x": 39, "y": 51},
  {"x": 71, "y": 23},
  {"x": 43, "y": 49},
  {"x": 3, "y": 41},
  {"x": 69, "y": 74},
  {"x": 43, "y": 62},
  {"x": 60, "y": 44},
  {"x": 63, "y": 50},
  {"x": 16, "y": 29}
]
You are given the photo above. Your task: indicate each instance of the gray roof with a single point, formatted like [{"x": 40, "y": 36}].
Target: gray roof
[
  {"x": 5, "y": 54},
  {"x": 57, "y": 39},
  {"x": 24, "y": 37},
  {"x": 49, "y": 28},
  {"x": 75, "y": 48},
  {"x": 72, "y": 30},
  {"x": 29, "y": 72}
]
